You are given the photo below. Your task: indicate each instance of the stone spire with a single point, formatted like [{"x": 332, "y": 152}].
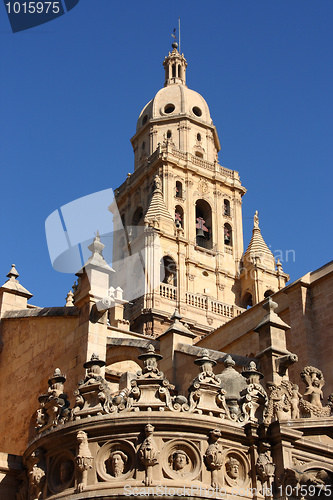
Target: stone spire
[
  {"x": 157, "y": 208},
  {"x": 13, "y": 284},
  {"x": 175, "y": 67},
  {"x": 12, "y": 294},
  {"x": 257, "y": 249}
]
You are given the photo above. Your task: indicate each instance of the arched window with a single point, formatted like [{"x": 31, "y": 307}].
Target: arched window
[
  {"x": 136, "y": 220},
  {"x": 226, "y": 207},
  {"x": 179, "y": 189},
  {"x": 137, "y": 216},
  {"x": 247, "y": 300},
  {"x": 203, "y": 224},
  {"x": 227, "y": 235},
  {"x": 179, "y": 216},
  {"x": 174, "y": 71},
  {"x": 179, "y": 68},
  {"x": 121, "y": 253},
  {"x": 168, "y": 271},
  {"x": 169, "y": 134},
  {"x": 268, "y": 293}
]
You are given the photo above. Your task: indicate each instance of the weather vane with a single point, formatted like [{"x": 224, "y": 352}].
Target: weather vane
[{"x": 173, "y": 34}]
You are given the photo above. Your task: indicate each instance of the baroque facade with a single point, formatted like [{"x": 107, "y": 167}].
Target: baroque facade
[{"x": 187, "y": 369}]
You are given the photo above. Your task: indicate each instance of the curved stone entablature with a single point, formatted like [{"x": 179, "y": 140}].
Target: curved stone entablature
[
  {"x": 149, "y": 436},
  {"x": 112, "y": 455}
]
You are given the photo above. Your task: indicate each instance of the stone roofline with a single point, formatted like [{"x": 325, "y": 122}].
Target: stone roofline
[{"x": 185, "y": 160}]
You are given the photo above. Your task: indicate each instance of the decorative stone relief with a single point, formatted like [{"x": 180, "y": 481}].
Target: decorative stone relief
[
  {"x": 280, "y": 401},
  {"x": 181, "y": 459},
  {"x": 151, "y": 390},
  {"x": 254, "y": 396},
  {"x": 93, "y": 395},
  {"x": 36, "y": 474},
  {"x": 236, "y": 469},
  {"x": 265, "y": 466},
  {"x": 54, "y": 405},
  {"x": 236, "y": 392},
  {"x": 286, "y": 401},
  {"x": 312, "y": 406},
  {"x": 203, "y": 186},
  {"x": 214, "y": 457},
  {"x": 148, "y": 453},
  {"x": 115, "y": 461},
  {"x": 299, "y": 482},
  {"x": 61, "y": 474},
  {"x": 205, "y": 393},
  {"x": 83, "y": 460}
]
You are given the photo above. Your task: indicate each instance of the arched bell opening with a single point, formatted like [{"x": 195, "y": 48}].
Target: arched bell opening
[
  {"x": 179, "y": 216},
  {"x": 227, "y": 235},
  {"x": 168, "y": 271},
  {"x": 203, "y": 224}
]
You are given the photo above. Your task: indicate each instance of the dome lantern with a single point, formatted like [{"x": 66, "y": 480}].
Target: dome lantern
[{"x": 175, "y": 67}]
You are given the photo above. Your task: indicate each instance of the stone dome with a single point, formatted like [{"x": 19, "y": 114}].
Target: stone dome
[{"x": 175, "y": 100}]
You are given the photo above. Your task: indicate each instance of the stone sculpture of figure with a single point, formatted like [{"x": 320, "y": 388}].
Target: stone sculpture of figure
[
  {"x": 232, "y": 468},
  {"x": 295, "y": 395},
  {"x": 314, "y": 380},
  {"x": 83, "y": 460},
  {"x": 179, "y": 460},
  {"x": 117, "y": 461},
  {"x": 311, "y": 405},
  {"x": 157, "y": 182},
  {"x": 279, "y": 401},
  {"x": 36, "y": 474},
  {"x": 148, "y": 453},
  {"x": 256, "y": 219},
  {"x": 214, "y": 457}
]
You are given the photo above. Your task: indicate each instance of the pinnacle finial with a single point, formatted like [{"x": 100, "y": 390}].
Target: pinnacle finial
[
  {"x": 96, "y": 246},
  {"x": 176, "y": 316},
  {"x": 229, "y": 362},
  {"x": 69, "y": 299},
  {"x": 270, "y": 305},
  {"x": 13, "y": 274}
]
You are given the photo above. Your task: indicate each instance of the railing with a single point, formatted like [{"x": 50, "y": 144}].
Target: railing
[
  {"x": 168, "y": 291},
  {"x": 196, "y": 300},
  {"x": 222, "y": 309},
  {"x": 211, "y": 305}
]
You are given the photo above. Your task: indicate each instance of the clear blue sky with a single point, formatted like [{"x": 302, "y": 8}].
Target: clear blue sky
[{"x": 71, "y": 91}]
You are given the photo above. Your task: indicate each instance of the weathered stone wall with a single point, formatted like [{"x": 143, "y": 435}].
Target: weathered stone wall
[{"x": 32, "y": 349}]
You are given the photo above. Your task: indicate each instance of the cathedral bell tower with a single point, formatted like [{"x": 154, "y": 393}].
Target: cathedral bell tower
[{"x": 182, "y": 214}]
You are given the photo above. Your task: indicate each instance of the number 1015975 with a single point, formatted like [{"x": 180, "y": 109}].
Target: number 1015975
[{"x": 33, "y": 7}]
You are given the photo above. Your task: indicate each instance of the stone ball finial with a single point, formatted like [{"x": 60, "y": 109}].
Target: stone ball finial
[{"x": 175, "y": 45}]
